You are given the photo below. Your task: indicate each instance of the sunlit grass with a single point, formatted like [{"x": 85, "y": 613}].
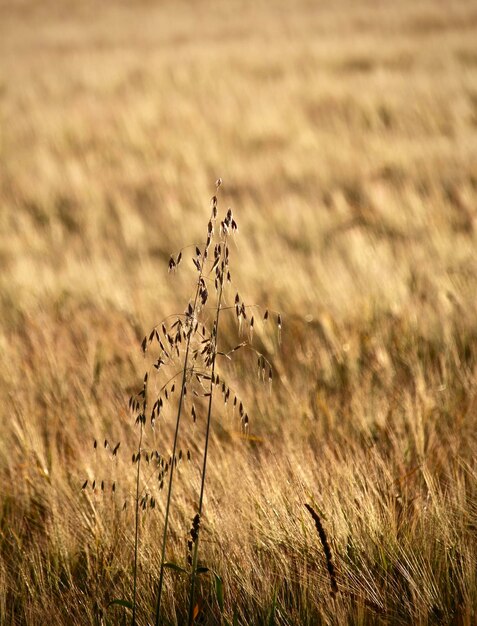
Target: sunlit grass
[{"x": 346, "y": 136}]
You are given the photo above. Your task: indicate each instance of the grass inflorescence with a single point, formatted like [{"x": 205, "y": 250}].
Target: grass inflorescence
[{"x": 184, "y": 353}]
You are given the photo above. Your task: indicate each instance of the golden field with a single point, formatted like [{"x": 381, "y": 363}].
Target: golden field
[{"x": 346, "y": 136}]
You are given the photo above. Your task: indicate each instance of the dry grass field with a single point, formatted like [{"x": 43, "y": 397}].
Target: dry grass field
[{"x": 346, "y": 136}]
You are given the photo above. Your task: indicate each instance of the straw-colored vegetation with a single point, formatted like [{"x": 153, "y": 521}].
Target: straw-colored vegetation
[{"x": 346, "y": 135}]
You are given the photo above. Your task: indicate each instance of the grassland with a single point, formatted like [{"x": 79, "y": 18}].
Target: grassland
[{"x": 346, "y": 135}]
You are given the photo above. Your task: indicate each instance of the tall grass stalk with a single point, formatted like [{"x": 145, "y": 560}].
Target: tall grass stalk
[
  {"x": 191, "y": 331},
  {"x": 171, "y": 478},
  {"x": 142, "y": 421},
  {"x": 207, "y": 434}
]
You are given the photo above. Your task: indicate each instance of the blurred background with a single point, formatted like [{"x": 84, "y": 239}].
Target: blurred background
[{"x": 345, "y": 134}]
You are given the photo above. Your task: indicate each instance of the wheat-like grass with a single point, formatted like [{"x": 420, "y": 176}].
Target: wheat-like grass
[{"x": 347, "y": 134}]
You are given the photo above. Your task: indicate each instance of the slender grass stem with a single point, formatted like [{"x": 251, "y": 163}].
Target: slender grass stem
[
  {"x": 174, "y": 448},
  {"x": 136, "y": 515},
  {"x": 206, "y": 449},
  {"x": 169, "y": 491},
  {"x": 136, "y": 524}
]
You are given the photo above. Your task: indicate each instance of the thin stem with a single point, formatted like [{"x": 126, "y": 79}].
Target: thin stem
[
  {"x": 206, "y": 448},
  {"x": 142, "y": 418},
  {"x": 169, "y": 490},
  {"x": 136, "y": 537},
  {"x": 176, "y": 433}
]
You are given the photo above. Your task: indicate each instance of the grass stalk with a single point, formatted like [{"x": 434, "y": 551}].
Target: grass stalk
[
  {"x": 136, "y": 529},
  {"x": 142, "y": 420},
  {"x": 169, "y": 489},
  {"x": 176, "y": 434},
  {"x": 206, "y": 444}
]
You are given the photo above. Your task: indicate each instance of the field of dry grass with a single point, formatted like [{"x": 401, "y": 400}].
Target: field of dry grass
[{"x": 346, "y": 136}]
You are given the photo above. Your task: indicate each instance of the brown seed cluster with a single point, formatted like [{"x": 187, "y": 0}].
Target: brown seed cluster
[
  {"x": 194, "y": 534},
  {"x": 326, "y": 548}
]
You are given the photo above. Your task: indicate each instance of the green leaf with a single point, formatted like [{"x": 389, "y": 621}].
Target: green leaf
[
  {"x": 175, "y": 567},
  {"x": 125, "y": 603},
  {"x": 271, "y": 618},
  {"x": 219, "y": 591}
]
